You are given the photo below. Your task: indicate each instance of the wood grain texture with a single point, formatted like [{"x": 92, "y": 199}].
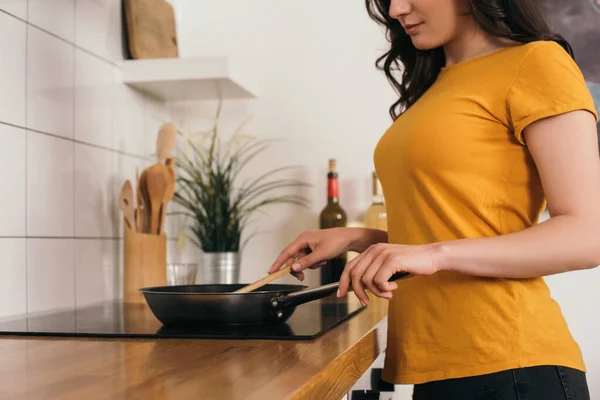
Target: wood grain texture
[
  {"x": 151, "y": 29},
  {"x": 268, "y": 279},
  {"x": 144, "y": 263},
  {"x": 90, "y": 369}
]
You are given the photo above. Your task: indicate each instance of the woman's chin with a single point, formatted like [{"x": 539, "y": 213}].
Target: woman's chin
[{"x": 423, "y": 43}]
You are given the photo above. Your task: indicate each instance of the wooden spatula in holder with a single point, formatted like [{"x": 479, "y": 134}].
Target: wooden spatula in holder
[{"x": 144, "y": 264}]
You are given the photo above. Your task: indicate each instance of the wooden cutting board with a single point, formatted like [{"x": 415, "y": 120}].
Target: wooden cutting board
[{"x": 151, "y": 30}]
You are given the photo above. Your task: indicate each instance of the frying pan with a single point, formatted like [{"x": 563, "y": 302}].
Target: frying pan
[{"x": 218, "y": 305}]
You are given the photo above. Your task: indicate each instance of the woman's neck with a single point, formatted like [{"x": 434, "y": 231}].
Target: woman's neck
[{"x": 472, "y": 42}]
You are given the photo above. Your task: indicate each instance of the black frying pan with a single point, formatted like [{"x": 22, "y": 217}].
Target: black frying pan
[{"x": 218, "y": 305}]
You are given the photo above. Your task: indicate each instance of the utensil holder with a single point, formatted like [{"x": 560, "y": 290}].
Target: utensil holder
[{"x": 144, "y": 264}]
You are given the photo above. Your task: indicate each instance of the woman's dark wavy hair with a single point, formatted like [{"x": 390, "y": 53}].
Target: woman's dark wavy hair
[{"x": 519, "y": 20}]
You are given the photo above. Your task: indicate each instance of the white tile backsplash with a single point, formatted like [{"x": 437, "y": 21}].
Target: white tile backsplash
[
  {"x": 50, "y": 274},
  {"x": 13, "y": 277},
  {"x": 13, "y": 40},
  {"x": 95, "y": 198},
  {"x": 98, "y": 27},
  {"x": 128, "y": 116},
  {"x": 70, "y": 134},
  {"x": 156, "y": 114},
  {"x": 96, "y": 271},
  {"x": 18, "y": 8},
  {"x": 13, "y": 156},
  {"x": 49, "y": 185},
  {"x": 55, "y": 16},
  {"x": 93, "y": 100},
  {"x": 50, "y": 81}
]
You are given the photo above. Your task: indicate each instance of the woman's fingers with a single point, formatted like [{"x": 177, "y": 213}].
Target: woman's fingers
[
  {"x": 290, "y": 251},
  {"x": 309, "y": 260},
  {"x": 299, "y": 275},
  {"x": 292, "y": 260},
  {"x": 370, "y": 274},
  {"x": 352, "y": 275},
  {"x": 365, "y": 271},
  {"x": 381, "y": 279},
  {"x": 345, "y": 278}
]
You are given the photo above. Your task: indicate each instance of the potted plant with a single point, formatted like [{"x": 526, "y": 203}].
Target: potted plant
[{"x": 218, "y": 206}]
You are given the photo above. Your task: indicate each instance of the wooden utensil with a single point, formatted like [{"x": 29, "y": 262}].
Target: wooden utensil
[
  {"x": 139, "y": 212},
  {"x": 144, "y": 204},
  {"x": 165, "y": 142},
  {"x": 126, "y": 204},
  {"x": 156, "y": 185},
  {"x": 264, "y": 281},
  {"x": 151, "y": 29},
  {"x": 169, "y": 193}
]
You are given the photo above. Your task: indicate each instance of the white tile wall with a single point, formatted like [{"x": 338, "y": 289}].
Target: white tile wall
[
  {"x": 55, "y": 16},
  {"x": 18, "y": 8},
  {"x": 128, "y": 118},
  {"x": 98, "y": 27},
  {"x": 13, "y": 163},
  {"x": 96, "y": 271},
  {"x": 93, "y": 100},
  {"x": 13, "y": 277},
  {"x": 95, "y": 197},
  {"x": 70, "y": 134},
  {"x": 50, "y": 274},
  {"x": 49, "y": 185},
  {"x": 50, "y": 82},
  {"x": 13, "y": 36}
]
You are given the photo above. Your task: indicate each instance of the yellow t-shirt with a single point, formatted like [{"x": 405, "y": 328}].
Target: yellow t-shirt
[{"x": 454, "y": 166}]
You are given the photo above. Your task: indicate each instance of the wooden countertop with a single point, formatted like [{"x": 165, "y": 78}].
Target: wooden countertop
[{"x": 90, "y": 369}]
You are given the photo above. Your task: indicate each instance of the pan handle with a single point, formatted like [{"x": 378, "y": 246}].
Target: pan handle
[{"x": 304, "y": 296}]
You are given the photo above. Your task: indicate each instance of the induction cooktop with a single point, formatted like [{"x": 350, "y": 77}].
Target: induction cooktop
[{"x": 127, "y": 320}]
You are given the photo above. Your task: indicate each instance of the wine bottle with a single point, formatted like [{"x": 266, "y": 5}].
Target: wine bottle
[
  {"x": 376, "y": 215},
  {"x": 333, "y": 216}
]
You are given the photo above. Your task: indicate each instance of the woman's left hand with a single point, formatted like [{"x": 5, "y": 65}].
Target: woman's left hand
[{"x": 373, "y": 268}]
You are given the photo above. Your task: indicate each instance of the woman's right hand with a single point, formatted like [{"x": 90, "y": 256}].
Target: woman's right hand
[{"x": 312, "y": 249}]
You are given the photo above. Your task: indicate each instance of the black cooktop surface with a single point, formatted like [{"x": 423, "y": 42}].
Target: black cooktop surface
[{"x": 117, "y": 319}]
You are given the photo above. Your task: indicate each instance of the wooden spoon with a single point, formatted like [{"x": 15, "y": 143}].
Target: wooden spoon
[
  {"x": 156, "y": 185},
  {"x": 139, "y": 214},
  {"x": 264, "y": 281},
  {"x": 169, "y": 193},
  {"x": 165, "y": 142},
  {"x": 126, "y": 204},
  {"x": 144, "y": 203}
]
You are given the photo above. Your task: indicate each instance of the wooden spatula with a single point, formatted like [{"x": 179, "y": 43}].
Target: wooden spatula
[
  {"x": 264, "y": 281},
  {"x": 127, "y": 206},
  {"x": 156, "y": 185},
  {"x": 165, "y": 142},
  {"x": 169, "y": 193}
]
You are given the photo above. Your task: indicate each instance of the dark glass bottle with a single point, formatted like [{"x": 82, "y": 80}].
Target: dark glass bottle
[{"x": 333, "y": 216}]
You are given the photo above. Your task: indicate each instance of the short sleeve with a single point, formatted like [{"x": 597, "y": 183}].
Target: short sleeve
[{"x": 548, "y": 83}]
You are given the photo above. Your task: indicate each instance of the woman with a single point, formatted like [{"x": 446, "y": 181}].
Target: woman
[{"x": 493, "y": 122}]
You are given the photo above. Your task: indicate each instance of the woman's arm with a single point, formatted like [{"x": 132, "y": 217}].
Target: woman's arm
[
  {"x": 365, "y": 238},
  {"x": 565, "y": 150}
]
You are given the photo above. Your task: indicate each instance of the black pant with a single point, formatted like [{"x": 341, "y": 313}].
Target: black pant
[{"x": 533, "y": 383}]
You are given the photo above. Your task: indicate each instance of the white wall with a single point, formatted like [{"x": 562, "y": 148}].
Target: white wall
[
  {"x": 319, "y": 91},
  {"x": 70, "y": 134}
]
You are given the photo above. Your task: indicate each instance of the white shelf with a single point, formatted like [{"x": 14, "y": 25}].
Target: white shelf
[{"x": 188, "y": 79}]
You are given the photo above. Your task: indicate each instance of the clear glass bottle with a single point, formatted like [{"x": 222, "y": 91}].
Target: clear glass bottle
[{"x": 376, "y": 215}]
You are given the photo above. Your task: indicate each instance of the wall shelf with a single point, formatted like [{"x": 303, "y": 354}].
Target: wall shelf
[{"x": 189, "y": 79}]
